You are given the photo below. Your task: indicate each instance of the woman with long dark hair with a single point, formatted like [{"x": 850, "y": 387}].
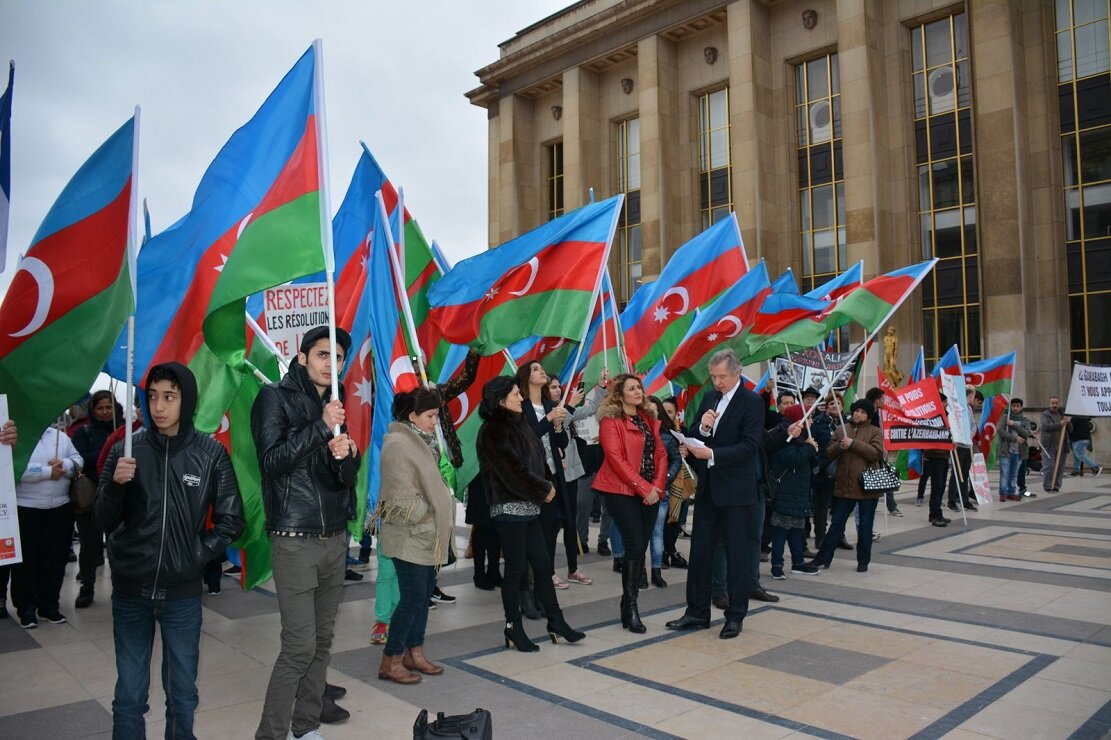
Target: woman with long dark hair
[
  {"x": 512, "y": 463},
  {"x": 680, "y": 490},
  {"x": 674, "y": 462},
  {"x": 633, "y": 478}
]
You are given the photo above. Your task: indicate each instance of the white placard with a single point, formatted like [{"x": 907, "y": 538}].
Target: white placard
[
  {"x": 1090, "y": 392},
  {"x": 10, "y": 550},
  {"x": 291, "y": 310},
  {"x": 979, "y": 475},
  {"x": 956, "y": 405}
]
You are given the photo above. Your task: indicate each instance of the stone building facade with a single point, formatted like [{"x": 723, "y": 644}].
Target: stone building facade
[{"x": 837, "y": 130}]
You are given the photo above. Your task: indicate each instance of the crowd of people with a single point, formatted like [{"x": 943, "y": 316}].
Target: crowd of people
[{"x": 770, "y": 474}]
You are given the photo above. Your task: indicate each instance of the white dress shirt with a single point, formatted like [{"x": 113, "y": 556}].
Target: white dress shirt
[{"x": 723, "y": 403}]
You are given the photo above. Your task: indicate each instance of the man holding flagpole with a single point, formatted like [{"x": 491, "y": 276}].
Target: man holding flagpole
[{"x": 308, "y": 478}]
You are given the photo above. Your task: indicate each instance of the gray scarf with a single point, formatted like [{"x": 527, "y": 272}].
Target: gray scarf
[{"x": 429, "y": 439}]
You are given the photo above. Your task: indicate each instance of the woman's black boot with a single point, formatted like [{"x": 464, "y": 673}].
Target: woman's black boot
[
  {"x": 658, "y": 579},
  {"x": 558, "y": 627},
  {"x": 617, "y": 564},
  {"x": 515, "y": 636},
  {"x": 528, "y": 605},
  {"x": 630, "y": 589}
]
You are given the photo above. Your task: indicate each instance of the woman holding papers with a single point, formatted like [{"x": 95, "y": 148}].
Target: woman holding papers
[{"x": 633, "y": 477}]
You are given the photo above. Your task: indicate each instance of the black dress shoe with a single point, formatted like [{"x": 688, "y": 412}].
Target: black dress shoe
[
  {"x": 332, "y": 713},
  {"x": 334, "y": 692},
  {"x": 730, "y": 629},
  {"x": 678, "y": 561},
  {"x": 844, "y": 545},
  {"x": 604, "y": 549},
  {"x": 759, "y": 594},
  {"x": 687, "y": 622},
  {"x": 721, "y": 602},
  {"x": 862, "y": 568}
]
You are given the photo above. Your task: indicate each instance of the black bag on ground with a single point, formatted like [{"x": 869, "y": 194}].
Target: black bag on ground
[{"x": 478, "y": 725}]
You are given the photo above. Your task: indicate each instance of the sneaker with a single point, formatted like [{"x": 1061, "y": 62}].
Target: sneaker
[
  {"x": 876, "y": 536},
  {"x": 53, "y": 616},
  {"x": 440, "y": 596},
  {"x": 805, "y": 569},
  {"x": 432, "y": 604},
  {"x": 862, "y": 568},
  {"x": 579, "y": 577},
  {"x": 379, "y": 633},
  {"x": 559, "y": 582},
  {"x": 895, "y": 513},
  {"x": 28, "y": 620},
  {"x": 214, "y": 590},
  {"x": 939, "y": 522},
  {"x": 1096, "y": 471},
  {"x": 84, "y": 598},
  {"x": 233, "y": 571},
  {"x": 777, "y": 573},
  {"x": 350, "y": 575},
  {"x": 1076, "y": 474},
  {"x": 1027, "y": 494},
  {"x": 684, "y": 533},
  {"x": 310, "y": 735},
  {"x": 918, "y": 502},
  {"x": 604, "y": 549},
  {"x": 352, "y": 560}
]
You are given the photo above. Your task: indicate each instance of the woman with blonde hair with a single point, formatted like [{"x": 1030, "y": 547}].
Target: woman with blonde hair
[
  {"x": 633, "y": 478},
  {"x": 417, "y": 515}
]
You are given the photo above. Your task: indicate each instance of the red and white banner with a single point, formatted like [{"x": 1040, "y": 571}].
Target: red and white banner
[
  {"x": 913, "y": 417},
  {"x": 10, "y": 551},
  {"x": 291, "y": 310}
]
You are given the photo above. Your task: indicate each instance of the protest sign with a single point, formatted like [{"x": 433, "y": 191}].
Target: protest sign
[
  {"x": 10, "y": 551},
  {"x": 291, "y": 310},
  {"x": 805, "y": 370},
  {"x": 979, "y": 475},
  {"x": 1090, "y": 392},
  {"x": 956, "y": 404},
  {"x": 913, "y": 418}
]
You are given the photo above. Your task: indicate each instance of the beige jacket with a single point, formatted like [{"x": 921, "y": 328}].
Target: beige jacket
[{"x": 416, "y": 508}]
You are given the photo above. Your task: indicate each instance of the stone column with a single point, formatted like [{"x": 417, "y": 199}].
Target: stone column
[
  {"x": 582, "y": 139},
  {"x": 658, "y": 82},
  {"x": 519, "y": 175}
]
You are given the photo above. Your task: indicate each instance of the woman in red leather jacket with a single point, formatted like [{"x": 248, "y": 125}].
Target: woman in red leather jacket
[{"x": 633, "y": 478}]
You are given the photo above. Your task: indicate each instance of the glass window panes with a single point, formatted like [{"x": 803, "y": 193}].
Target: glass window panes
[
  {"x": 628, "y": 244},
  {"x": 939, "y": 43},
  {"x": 1086, "y": 11},
  {"x": 555, "y": 179},
  {"x": 1091, "y": 49},
  {"x": 715, "y": 199}
]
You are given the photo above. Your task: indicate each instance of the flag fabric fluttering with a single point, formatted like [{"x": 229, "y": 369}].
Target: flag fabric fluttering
[
  {"x": 993, "y": 377},
  {"x": 909, "y": 462},
  {"x": 841, "y": 285},
  {"x": 604, "y": 346},
  {"x": 659, "y": 313},
  {"x": 723, "y": 324},
  {"x": 6, "y": 162},
  {"x": 542, "y": 283},
  {"x": 71, "y": 294},
  {"x": 949, "y": 363}
]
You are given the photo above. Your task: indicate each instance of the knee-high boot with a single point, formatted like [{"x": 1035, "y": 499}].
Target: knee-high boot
[{"x": 630, "y": 590}]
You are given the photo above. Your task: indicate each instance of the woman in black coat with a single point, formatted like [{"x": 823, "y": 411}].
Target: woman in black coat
[
  {"x": 790, "y": 466},
  {"x": 513, "y": 469}
]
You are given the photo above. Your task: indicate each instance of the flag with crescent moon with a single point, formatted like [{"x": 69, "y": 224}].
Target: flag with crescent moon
[
  {"x": 909, "y": 463},
  {"x": 659, "y": 313},
  {"x": 542, "y": 283},
  {"x": 993, "y": 377},
  {"x": 71, "y": 293}
]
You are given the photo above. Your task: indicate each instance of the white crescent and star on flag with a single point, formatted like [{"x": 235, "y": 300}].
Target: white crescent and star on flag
[
  {"x": 662, "y": 313},
  {"x": 44, "y": 282}
]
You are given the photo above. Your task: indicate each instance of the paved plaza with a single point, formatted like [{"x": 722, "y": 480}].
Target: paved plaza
[{"x": 1001, "y": 629}]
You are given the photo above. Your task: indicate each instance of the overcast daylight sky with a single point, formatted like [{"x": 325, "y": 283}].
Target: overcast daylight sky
[{"x": 395, "y": 74}]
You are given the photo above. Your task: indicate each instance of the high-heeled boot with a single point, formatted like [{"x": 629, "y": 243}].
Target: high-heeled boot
[
  {"x": 529, "y": 607},
  {"x": 630, "y": 590},
  {"x": 515, "y": 636},
  {"x": 557, "y": 626}
]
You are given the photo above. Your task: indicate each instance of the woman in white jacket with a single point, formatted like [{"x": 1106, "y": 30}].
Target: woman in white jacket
[{"x": 45, "y": 528}]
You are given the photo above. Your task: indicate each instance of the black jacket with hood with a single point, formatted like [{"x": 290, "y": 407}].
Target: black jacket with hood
[
  {"x": 159, "y": 535},
  {"x": 304, "y": 488}
]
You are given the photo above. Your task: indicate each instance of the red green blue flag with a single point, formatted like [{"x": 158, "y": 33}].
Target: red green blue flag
[
  {"x": 6, "y": 162},
  {"x": 993, "y": 377},
  {"x": 71, "y": 293}
]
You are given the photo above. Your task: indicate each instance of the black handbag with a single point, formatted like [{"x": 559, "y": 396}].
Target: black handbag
[
  {"x": 478, "y": 725},
  {"x": 881, "y": 479},
  {"x": 82, "y": 493}
]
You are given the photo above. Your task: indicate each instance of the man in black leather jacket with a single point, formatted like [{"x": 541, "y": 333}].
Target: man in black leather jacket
[
  {"x": 155, "y": 507},
  {"x": 308, "y": 490}
]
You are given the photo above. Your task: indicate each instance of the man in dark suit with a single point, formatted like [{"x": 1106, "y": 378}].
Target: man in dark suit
[{"x": 731, "y": 423}]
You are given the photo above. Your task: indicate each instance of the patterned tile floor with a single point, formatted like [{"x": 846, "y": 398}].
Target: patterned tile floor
[{"x": 1001, "y": 629}]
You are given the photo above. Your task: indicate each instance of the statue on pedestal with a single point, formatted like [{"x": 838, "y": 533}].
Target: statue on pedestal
[{"x": 890, "y": 354}]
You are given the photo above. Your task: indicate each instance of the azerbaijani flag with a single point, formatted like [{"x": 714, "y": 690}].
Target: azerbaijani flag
[
  {"x": 604, "y": 346},
  {"x": 993, "y": 377},
  {"x": 542, "y": 283},
  {"x": 71, "y": 293},
  {"x": 659, "y": 313},
  {"x": 723, "y": 324},
  {"x": 655, "y": 383},
  {"x": 950, "y": 363},
  {"x": 909, "y": 462},
  {"x": 278, "y": 237},
  {"x": 6, "y": 162},
  {"x": 841, "y": 285}
]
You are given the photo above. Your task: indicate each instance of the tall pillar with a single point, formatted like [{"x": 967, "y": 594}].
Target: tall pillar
[
  {"x": 582, "y": 138},
  {"x": 658, "y": 81},
  {"x": 518, "y": 173}
]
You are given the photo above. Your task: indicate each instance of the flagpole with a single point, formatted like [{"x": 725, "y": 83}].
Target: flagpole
[
  {"x": 133, "y": 217},
  {"x": 597, "y": 289},
  {"x": 605, "y": 342},
  {"x": 401, "y": 242},
  {"x": 325, "y": 208},
  {"x": 821, "y": 356},
  {"x": 619, "y": 342},
  {"x": 409, "y": 326},
  {"x": 266, "y": 340}
]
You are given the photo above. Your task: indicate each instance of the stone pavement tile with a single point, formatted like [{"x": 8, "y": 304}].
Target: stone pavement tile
[
  {"x": 1091, "y": 654},
  {"x": 1024, "y": 597},
  {"x": 978, "y": 661},
  {"x": 638, "y": 703},
  {"x": 1078, "y": 673},
  {"x": 233, "y": 688},
  {"x": 932, "y": 627},
  {"x": 511, "y": 662},
  {"x": 1063, "y": 698},
  {"x": 755, "y": 688},
  {"x": 1082, "y": 604},
  {"x": 785, "y": 624},
  {"x": 34, "y": 679},
  {"x": 78, "y": 719},
  {"x": 568, "y": 681},
  {"x": 864, "y": 715},
  {"x": 13, "y": 638},
  {"x": 925, "y": 685},
  {"x": 959, "y": 734},
  {"x": 1024, "y": 641},
  {"x": 869, "y": 640},
  {"x": 714, "y": 722},
  {"x": 706, "y": 642},
  {"x": 665, "y": 661},
  {"x": 1008, "y": 719},
  {"x": 820, "y": 662}
]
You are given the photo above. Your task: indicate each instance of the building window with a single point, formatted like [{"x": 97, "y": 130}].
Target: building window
[
  {"x": 946, "y": 185},
  {"x": 629, "y": 257},
  {"x": 821, "y": 175},
  {"x": 555, "y": 179},
  {"x": 715, "y": 189},
  {"x": 1084, "y": 87}
]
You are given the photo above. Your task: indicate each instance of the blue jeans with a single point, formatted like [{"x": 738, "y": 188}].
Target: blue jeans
[
  {"x": 1008, "y": 474},
  {"x": 842, "y": 510},
  {"x": 410, "y": 618},
  {"x": 1080, "y": 456},
  {"x": 133, "y": 622},
  {"x": 617, "y": 545},
  {"x": 656, "y": 545},
  {"x": 794, "y": 538}
]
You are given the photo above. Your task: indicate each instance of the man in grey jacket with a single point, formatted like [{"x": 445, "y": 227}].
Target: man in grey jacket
[
  {"x": 1014, "y": 430},
  {"x": 1053, "y": 424}
]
